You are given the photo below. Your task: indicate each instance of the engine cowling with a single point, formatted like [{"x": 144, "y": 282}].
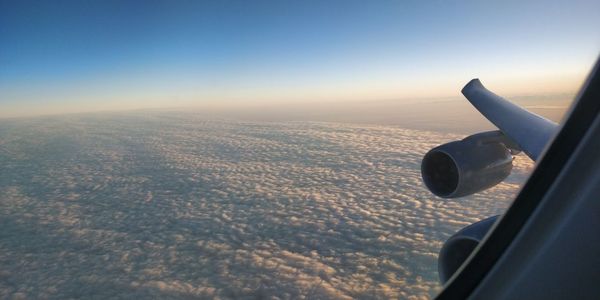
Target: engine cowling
[
  {"x": 465, "y": 167},
  {"x": 459, "y": 246}
]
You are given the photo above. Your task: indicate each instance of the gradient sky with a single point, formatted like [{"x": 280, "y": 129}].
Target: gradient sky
[{"x": 60, "y": 56}]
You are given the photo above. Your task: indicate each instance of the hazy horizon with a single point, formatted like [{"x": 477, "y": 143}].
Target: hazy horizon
[{"x": 449, "y": 114}]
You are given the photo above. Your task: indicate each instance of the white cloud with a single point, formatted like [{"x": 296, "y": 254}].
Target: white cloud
[{"x": 165, "y": 205}]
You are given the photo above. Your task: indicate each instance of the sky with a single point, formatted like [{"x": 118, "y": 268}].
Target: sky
[{"x": 63, "y": 56}]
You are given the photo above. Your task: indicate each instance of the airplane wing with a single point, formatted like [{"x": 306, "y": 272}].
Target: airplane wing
[
  {"x": 546, "y": 245},
  {"x": 528, "y": 130},
  {"x": 481, "y": 161}
]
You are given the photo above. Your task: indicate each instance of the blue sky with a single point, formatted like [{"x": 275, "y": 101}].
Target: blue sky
[{"x": 90, "y": 55}]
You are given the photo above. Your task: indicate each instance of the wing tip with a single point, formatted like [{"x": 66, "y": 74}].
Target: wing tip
[{"x": 473, "y": 84}]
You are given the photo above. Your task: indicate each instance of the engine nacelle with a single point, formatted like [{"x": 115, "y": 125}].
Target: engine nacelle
[
  {"x": 459, "y": 246},
  {"x": 465, "y": 167}
]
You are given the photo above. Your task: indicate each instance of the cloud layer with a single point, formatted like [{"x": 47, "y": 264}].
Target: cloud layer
[{"x": 173, "y": 205}]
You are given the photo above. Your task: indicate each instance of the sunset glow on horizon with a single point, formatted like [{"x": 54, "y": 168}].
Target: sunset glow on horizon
[{"x": 77, "y": 57}]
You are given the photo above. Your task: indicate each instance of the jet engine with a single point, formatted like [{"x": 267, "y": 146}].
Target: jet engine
[
  {"x": 465, "y": 167},
  {"x": 459, "y": 246}
]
